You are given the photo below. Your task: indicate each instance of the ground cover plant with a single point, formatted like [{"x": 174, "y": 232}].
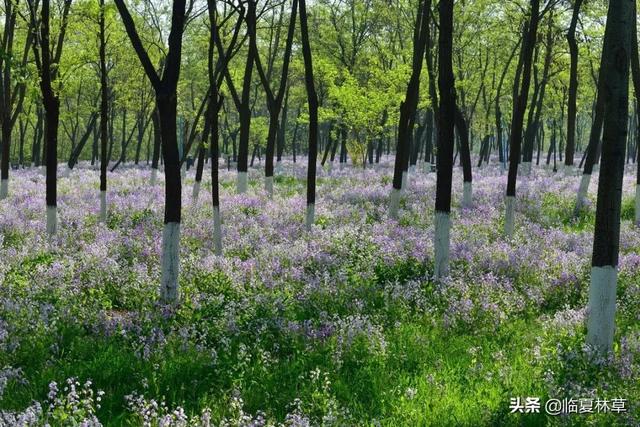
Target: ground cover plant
[{"x": 342, "y": 325}]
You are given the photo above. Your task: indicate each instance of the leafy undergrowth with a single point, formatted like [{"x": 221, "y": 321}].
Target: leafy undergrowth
[{"x": 340, "y": 326}]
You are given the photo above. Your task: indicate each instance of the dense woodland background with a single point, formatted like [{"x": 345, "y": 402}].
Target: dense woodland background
[{"x": 362, "y": 62}]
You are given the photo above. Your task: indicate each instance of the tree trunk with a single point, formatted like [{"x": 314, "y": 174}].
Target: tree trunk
[
  {"x": 615, "y": 66},
  {"x": 104, "y": 116},
  {"x": 165, "y": 88},
  {"x": 447, "y": 111},
  {"x": 409, "y": 105},
  {"x": 312, "y": 100},
  {"x": 635, "y": 69},
  {"x": 465, "y": 157},
  {"x": 518, "y": 117},
  {"x": 573, "y": 85},
  {"x": 157, "y": 142}
]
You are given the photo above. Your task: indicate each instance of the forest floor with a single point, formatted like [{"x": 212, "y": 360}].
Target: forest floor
[{"x": 338, "y": 326}]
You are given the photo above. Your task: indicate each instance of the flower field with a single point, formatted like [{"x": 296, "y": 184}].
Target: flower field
[{"x": 340, "y": 325}]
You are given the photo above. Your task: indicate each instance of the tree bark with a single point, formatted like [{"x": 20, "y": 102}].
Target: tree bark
[
  {"x": 615, "y": 66},
  {"x": 312, "y": 101},
  {"x": 573, "y": 85},
  {"x": 446, "y": 117},
  {"x": 520, "y": 105}
]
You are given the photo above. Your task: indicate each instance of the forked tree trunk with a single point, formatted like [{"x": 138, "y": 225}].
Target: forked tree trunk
[
  {"x": 165, "y": 88},
  {"x": 408, "y": 106},
  {"x": 520, "y": 105}
]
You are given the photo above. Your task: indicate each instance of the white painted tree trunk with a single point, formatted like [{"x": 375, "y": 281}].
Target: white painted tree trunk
[
  {"x": 103, "y": 206},
  {"x": 310, "y": 215},
  {"x": 217, "y": 231},
  {"x": 510, "y": 215},
  {"x": 268, "y": 185},
  {"x": 405, "y": 181},
  {"x": 467, "y": 194},
  {"x": 196, "y": 193},
  {"x": 526, "y": 168},
  {"x": 4, "y": 189},
  {"x": 582, "y": 191},
  {"x": 278, "y": 167},
  {"x": 154, "y": 176},
  {"x": 638, "y": 204},
  {"x": 602, "y": 307},
  {"x": 394, "y": 203},
  {"x": 412, "y": 168},
  {"x": 52, "y": 220},
  {"x": 170, "y": 260},
  {"x": 441, "y": 244},
  {"x": 241, "y": 184},
  {"x": 43, "y": 170},
  {"x": 183, "y": 170},
  {"x": 330, "y": 167}
]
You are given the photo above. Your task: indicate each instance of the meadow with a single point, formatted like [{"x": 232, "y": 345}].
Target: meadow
[{"x": 340, "y": 325}]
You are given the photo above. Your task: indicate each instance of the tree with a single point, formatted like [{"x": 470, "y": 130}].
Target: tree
[
  {"x": 165, "y": 87},
  {"x": 274, "y": 100},
  {"x": 465, "y": 156},
  {"x": 215, "y": 75},
  {"x": 573, "y": 85},
  {"x": 48, "y": 69},
  {"x": 408, "y": 106},
  {"x": 447, "y": 111},
  {"x": 616, "y": 53},
  {"x": 594, "y": 143},
  {"x": 11, "y": 97},
  {"x": 635, "y": 70},
  {"x": 242, "y": 102},
  {"x": 104, "y": 114},
  {"x": 312, "y": 101},
  {"x": 520, "y": 105}
]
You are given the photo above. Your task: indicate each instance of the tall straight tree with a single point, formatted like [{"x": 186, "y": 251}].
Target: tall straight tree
[
  {"x": 409, "y": 105},
  {"x": 573, "y": 86},
  {"x": 635, "y": 70},
  {"x": 446, "y": 122},
  {"x": 104, "y": 114},
  {"x": 592, "y": 147},
  {"x": 215, "y": 74},
  {"x": 616, "y": 53},
  {"x": 165, "y": 87},
  {"x": 312, "y": 101},
  {"x": 157, "y": 143},
  {"x": 47, "y": 64},
  {"x": 215, "y": 103},
  {"x": 11, "y": 96},
  {"x": 465, "y": 157},
  {"x": 243, "y": 103},
  {"x": 497, "y": 100},
  {"x": 274, "y": 100},
  {"x": 520, "y": 105}
]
